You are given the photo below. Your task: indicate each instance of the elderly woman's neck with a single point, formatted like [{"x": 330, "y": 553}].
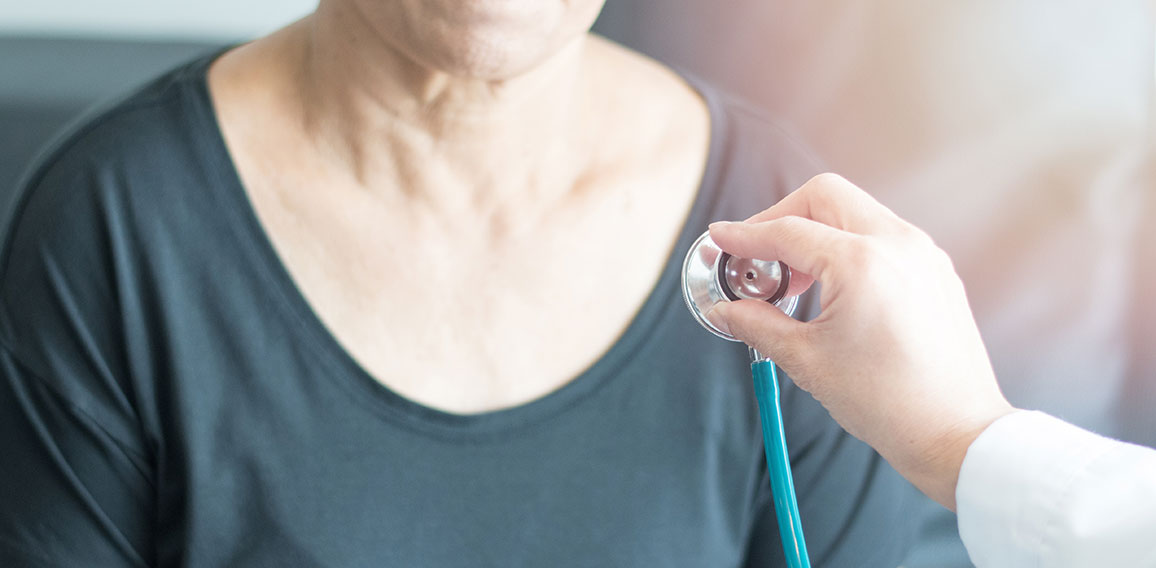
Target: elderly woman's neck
[
  {"x": 350, "y": 64},
  {"x": 379, "y": 109}
]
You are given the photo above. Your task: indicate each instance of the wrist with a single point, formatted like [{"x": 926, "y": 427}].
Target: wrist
[{"x": 933, "y": 466}]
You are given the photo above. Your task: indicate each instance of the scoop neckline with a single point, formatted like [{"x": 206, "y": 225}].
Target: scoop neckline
[{"x": 379, "y": 398}]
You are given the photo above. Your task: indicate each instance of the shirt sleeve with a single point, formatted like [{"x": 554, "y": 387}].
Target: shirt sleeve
[
  {"x": 1037, "y": 491},
  {"x": 73, "y": 494},
  {"x": 77, "y": 474}
]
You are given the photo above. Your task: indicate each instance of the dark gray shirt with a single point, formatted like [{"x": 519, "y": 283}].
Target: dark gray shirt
[{"x": 168, "y": 397}]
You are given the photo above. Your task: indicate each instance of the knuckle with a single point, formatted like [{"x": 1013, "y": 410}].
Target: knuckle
[
  {"x": 916, "y": 234},
  {"x": 827, "y": 180},
  {"x": 831, "y": 198},
  {"x": 828, "y": 188}
]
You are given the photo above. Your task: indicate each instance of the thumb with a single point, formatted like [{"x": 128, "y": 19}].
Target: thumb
[{"x": 764, "y": 327}]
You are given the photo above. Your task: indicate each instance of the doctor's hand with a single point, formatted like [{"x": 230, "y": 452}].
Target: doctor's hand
[{"x": 894, "y": 355}]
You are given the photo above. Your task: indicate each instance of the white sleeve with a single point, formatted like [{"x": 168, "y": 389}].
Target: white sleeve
[{"x": 1037, "y": 491}]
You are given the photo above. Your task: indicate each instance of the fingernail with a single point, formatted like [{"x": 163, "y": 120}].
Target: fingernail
[{"x": 718, "y": 224}]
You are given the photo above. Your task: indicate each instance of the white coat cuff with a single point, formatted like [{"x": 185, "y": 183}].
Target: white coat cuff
[{"x": 1013, "y": 483}]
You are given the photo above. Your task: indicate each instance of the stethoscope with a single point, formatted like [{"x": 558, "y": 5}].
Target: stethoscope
[{"x": 710, "y": 276}]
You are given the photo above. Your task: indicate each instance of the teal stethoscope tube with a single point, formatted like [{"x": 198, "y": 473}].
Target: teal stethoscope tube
[{"x": 778, "y": 463}]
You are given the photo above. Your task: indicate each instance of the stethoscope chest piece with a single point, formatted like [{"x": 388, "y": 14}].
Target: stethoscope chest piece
[{"x": 710, "y": 276}]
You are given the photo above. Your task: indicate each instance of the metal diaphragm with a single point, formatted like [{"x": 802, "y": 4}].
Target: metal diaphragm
[{"x": 710, "y": 276}]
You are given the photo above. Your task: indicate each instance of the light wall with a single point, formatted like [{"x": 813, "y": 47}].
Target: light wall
[{"x": 150, "y": 19}]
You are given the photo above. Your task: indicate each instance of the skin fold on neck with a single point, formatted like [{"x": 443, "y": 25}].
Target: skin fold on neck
[{"x": 378, "y": 111}]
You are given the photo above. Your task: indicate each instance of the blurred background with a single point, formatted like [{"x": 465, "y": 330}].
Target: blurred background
[
  {"x": 1021, "y": 134},
  {"x": 61, "y": 57}
]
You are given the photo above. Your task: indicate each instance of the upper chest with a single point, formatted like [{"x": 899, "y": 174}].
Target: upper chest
[{"x": 481, "y": 313}]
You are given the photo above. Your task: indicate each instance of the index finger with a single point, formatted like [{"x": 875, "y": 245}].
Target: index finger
[
  {"x": 832, "y": 200},
  {"x": 803, "y": 244}
]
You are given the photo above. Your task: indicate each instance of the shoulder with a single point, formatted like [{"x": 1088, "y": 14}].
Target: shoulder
[
  {"x": 749, "y": 123},
  {"x": 134, "y": 151},
  {"x": 759, "y": 158},
  {"x": 130, "y": 139},
  {"x": 643, "y": 113},
  {"x": 756, "y": 157},
  {"x": 97, "y": 198}
]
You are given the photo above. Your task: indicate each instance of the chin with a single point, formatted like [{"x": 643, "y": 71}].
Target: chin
[
  {"x": 491, "y": 56},
  {"x": 483, "y": 39}
]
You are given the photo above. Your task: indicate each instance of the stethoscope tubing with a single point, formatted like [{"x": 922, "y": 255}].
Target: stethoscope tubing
[{"x": 779, "y": 464}]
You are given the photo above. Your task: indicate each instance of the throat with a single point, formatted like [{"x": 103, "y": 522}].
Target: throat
[{"x": 394, "y": 125}]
